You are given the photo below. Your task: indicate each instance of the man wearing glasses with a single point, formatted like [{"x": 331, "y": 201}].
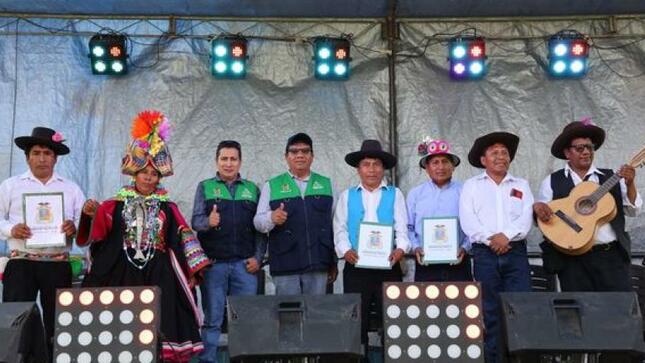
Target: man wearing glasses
[
  {"x": 606, "y": 266},
  {"x": 295, "y": 209}
]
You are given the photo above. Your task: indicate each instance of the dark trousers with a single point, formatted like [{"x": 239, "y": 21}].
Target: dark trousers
[
  {"x": 444, "y": 272},
  {"x": 604, "y": 268},
  {"x": 369, "y": 283},
  {"x": 23, "y": 279},
  {"x": 503, "y": 273}
]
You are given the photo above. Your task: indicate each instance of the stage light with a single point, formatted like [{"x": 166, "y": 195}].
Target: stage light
[
  {"x": 220, "y": 67},
  {"x": 324, "y": 53},
  {"x": 237, "y": 67},
  {"x": 108, "y": 54},
  {"x": 467, "y": 57},
  {"x": 568, "y": 55},
  {"x": 459, "y": 51},
  {"x": 98, "y": 51},
  {"x": 429, "y": 321},
  {"x": 228, "y": 57},
  {"x": 331, "y": 53},
  {"x": 117, "y": 67},
  {"x": 106, "y": 324},
  {"x": 340, "y": 69}
]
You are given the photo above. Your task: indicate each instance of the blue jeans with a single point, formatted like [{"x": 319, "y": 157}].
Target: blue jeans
[
  {"x": 308, "y": 283},
  {"x": 222, "y": 279},
  {"x": 504, "y": 273}
]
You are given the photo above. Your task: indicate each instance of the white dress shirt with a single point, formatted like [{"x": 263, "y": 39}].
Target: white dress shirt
[
  {"x": 371, "y": 201},
  {"x": 487, "y": 208},
  {"x": 11, "y": 191},
  {"x": 605, "y": 233}
]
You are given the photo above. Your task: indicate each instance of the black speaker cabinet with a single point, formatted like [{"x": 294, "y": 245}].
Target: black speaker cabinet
[
  {"x": 22, "y": 336},
  {"x": 277, "y": 327},
  {"x": 536, "y": 325}
]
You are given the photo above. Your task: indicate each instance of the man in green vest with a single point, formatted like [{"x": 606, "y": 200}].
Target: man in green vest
[
  {"x": 223, "y": 219},
  {"x": 295, "y": 209}
]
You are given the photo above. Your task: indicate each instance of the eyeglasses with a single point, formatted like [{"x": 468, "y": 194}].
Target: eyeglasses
[
  {"x": 295, "y": 151},
  {"x": 581, "y": 147}
]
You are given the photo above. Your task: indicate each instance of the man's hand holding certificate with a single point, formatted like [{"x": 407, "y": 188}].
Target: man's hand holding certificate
[
  {"x": 44, "y": 225},
  {"x": 375, "y": 246}
]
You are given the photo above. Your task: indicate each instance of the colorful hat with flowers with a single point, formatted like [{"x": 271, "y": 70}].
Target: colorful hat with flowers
[
  {"x": 150, "y": 133},
  {"x": 430, "y": 147},
  {"x": 46, "y": 137}
]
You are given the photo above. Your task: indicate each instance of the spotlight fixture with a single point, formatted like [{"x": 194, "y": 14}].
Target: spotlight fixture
[
  {"x": 108, "y": 54},
  {"x": 228, "y": 57},
  {"x": 568, "y": 55},
  {"x": 114, "y": 324},
  {"x": 433, "y": 322},
  {"x": 467, "y": 56},
  {"x": 331, "y": 58}
]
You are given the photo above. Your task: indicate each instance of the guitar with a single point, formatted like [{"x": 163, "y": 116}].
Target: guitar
[{"x": 576, "y": 217}]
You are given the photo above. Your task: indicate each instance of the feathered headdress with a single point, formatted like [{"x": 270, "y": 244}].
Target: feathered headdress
[{"x": 150, "y": 133}]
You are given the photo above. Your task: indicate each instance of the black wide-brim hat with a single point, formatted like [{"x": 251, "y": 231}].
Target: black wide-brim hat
[
  {"x": 43, "y": 136},
  {"x": 574, "y": 130},
  {"x": 371, "y": 149},
  {"x": 482, "y": 143}
]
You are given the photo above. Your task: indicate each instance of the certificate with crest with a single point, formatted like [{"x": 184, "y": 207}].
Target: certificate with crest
[
  {"x": 440, "y": 238},
  {"x": 44, "y": 213},
  {"x": 375, "y": 245}
]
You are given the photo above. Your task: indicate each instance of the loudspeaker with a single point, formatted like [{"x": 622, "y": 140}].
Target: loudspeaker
[
  {"x": 22, "y": 335},
  {"x": 547, "y": 323},
  {"x": 327, "y": 326}
]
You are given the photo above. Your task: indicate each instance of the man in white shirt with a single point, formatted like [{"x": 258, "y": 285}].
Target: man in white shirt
[
  {"x": 33, "y": 270},
  {"x": 606, "y": 266},
  {"x": 370, "y": 201},
  {"x": 495, "y": 211}
]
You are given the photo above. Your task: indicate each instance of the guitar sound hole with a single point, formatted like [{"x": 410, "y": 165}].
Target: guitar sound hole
[{"x": 585, "y": 206}]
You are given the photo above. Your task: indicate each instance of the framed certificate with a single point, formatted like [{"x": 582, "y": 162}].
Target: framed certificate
[
  {"x": 440, "y": 238},
  {"x": 375, "y": 245},
  {"x": 44, "y": 213}
]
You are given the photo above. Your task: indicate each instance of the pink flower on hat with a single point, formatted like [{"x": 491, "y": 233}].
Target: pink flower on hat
[
  {"x": 586, "y": 121},
  {"x": 57, "y": 137}
]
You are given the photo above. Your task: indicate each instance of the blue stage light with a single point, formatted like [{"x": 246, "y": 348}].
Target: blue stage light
[
  {"x": 228, "y": 57},
  {"x": 568, "y": 55},
  {"x": 108, "y": 55},
  {"x": 467, "y": 56},
  {"x": 331, "y": 54}
]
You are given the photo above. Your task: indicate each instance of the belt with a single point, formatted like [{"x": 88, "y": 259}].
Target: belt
[
  {"x": 512, "y": 243},
  {"x": 63, "y": 256},
  {"x": 605, "y": 246}
]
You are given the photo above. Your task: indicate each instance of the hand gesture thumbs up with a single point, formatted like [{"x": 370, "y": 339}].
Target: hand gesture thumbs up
[
  {"x": 279, "y": 216},
  {"x": 213, "y": 218}
]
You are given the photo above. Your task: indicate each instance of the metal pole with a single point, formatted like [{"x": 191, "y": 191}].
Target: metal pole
[{"x": 391, "y": 26}]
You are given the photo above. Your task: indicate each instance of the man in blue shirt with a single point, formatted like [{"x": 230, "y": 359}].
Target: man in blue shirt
[
  {"x": 438, "y": 197},
  {"x": 223, "y": 219}
]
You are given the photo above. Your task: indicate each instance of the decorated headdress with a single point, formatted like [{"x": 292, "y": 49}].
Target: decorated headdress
[
  {"x": 429, "y": 147},
  {"x": 150, "y": 133}
]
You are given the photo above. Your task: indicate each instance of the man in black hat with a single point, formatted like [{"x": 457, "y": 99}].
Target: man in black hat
[
  {"x": 606, "y": 266},
  {"x": 372, "y": 201},
  {"x": 495, "y": 211},
  {"x": 31, "y": 270},
  {"x": 295, "y": 208}
]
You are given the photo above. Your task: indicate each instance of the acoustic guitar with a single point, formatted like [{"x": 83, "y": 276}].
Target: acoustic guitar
[{"x": 576, "y": 217}]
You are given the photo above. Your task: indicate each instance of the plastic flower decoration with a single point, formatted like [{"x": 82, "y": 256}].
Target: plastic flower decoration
[
  {"x": 151, "y": 129},
  {"x": 57, "y": 137},
  {"x": 586, "y": 121}
]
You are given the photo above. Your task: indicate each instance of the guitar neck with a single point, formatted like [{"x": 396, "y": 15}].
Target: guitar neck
[{"x": 604, "y": 188}]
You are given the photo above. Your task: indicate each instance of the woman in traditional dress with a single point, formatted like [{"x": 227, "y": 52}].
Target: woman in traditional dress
[{"x": 140, "y": 238}]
